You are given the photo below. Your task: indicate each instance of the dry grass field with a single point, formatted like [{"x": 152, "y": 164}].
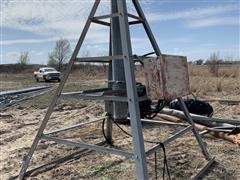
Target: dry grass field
[{"x": 19, "y": 125}]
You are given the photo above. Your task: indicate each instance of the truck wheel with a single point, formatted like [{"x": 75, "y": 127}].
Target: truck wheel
[{"x": 37, "y": 79}]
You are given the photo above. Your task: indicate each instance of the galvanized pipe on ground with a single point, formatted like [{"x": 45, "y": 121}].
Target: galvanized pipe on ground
[{"x": 200, "y": 119}]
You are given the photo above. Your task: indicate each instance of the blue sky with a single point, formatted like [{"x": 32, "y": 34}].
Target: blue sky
[{"x": 183, "y": 27}]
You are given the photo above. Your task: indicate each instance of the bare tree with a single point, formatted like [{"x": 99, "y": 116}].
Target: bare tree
[
  {"x": 23, "y": 58},
  {"x": 228, "y": 58},
  {"x": 213, "y": 63},
  {"x": 60, "y": 53}
]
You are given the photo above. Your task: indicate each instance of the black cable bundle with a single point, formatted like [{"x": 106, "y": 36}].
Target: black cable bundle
[
  {"x": 165, "y": 164},
  {"x": 160, "y": 105},
  {"x": 148, "y": 111},
  {"x": 104, "y": 135}
]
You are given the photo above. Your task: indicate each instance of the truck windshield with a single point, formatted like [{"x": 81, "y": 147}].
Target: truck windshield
[{"x": 49, "y": 70}]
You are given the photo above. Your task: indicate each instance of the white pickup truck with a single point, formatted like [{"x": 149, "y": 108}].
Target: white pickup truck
[{"x": 47, "y": 74}]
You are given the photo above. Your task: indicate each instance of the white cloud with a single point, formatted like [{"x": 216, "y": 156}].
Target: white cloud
[
  {"x": 10, "y": 57},
  {"x": 193, "y": 13},
  {"x": 13, "y": 56},
  {"x": 141, "y": 45},
  {"x": 206, "y": 22},
  {"x": 183, "y": 39},
  {"x": 224, "y": 14},
  {"x": 61, "y": 18},
  {"x": 26, "y": 41},
  {"x": 12, "y": 53},
  {"x": 177, "y": 51},
  {"x": 93, "y": 37},
  {"x": 48, "y": 18},
  {"x": 44, "y": 17}
]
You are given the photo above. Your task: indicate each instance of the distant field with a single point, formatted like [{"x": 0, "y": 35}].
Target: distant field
[
  {"x": 202, "y": 81},
  {"x": 226, "y": 82}
]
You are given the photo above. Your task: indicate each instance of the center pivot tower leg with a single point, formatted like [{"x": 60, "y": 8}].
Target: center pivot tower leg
[
  {"x": 133, "y": 105},
  {"x": 123, "y": 79}
]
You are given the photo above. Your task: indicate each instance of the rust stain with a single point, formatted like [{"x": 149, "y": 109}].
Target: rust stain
[{"x": 166, "y": 77}]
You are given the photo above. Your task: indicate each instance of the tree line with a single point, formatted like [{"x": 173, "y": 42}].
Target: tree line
[
  {"x": 62, "y": 51},
  {"x": 57, "y": 58},
  {"x": 214, "y": 59}
]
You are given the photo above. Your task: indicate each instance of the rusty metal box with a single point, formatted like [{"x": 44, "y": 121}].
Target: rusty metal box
[{"x": 166, "y": 77}]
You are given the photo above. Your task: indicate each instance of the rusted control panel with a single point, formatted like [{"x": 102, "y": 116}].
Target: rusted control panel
[{"x": 166, "y": 77}]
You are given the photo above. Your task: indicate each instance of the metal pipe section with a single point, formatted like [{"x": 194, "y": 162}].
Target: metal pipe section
[
  {"x": 74, "y": 126},
  {"x": 90, "y": 146},
  {"x": 159, "y": 122},
  {"x": 198, "y": 118},
  {"x": 120, "y": 109},
  {"x": 25, "y": 90},
  {"x": 13, "y": 97}
]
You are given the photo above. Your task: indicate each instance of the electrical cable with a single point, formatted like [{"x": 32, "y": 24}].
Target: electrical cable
[
  {"x": 165, "y": 164},
  {"x": 122, "y": 129},
  {"x": 160, "y": 105},
  {"x": 145, "y": 55},
  {"x": 155, "y": 167},
  {"x": 104, "y": 135},
  {"x": 140, "y": 58}
]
